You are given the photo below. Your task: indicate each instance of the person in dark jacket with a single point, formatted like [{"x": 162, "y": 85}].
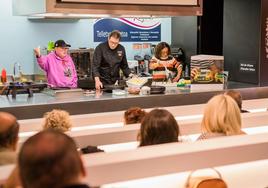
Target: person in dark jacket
[{"x": 109, "y": 57}]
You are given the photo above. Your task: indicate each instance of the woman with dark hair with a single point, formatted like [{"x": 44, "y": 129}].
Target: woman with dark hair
[
  {"x": 164, "y": 65},
  {"x": 237, "y": 97},
  {"x": 158, "y": 127},
  {"x": 134, "y": 115}
]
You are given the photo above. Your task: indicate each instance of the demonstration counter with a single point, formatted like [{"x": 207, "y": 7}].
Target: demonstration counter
[{"x": 25, "y": 107}]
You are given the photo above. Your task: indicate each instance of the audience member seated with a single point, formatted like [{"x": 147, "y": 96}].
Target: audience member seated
[
  {"x": 158, "y": 127},
  {"x": 60, "y": 120},
  {"x": 57, "y": 120},
  {"x": 9, "y": 131},
  {"x": 221, "y": 118},
  {"x": 237, "y": 97},
  {"x": 50, "y": 159},
  {"x": 133, "y": 115}
]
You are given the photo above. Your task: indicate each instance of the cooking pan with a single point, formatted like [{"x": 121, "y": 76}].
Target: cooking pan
[
  {"x": 157, "y": 89},
  {"x": 60, "y": 88},
  {"x": 110, "y": 87}
]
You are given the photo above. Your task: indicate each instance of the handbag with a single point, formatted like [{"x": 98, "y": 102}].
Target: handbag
[{"x": 205, "y": 181}]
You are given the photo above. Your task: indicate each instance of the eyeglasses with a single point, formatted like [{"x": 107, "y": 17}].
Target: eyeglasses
[{"x": 113, "y": 42}]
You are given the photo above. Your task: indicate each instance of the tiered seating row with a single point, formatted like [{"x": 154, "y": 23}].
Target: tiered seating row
[{"x": 116, "y": 117}]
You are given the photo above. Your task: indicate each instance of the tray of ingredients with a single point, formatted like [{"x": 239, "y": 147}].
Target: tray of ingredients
[{"x": 136, "y": 81}]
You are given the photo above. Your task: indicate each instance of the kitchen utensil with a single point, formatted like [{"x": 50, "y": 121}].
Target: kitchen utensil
[
  {"x": 145, "y": 90},
  {"x": 60, "y": 88},
  {"x": 118, "y": 92},
  {"x": 136, "y": 81},
  {"x": 110, "y": 87},
  {"x": 116, "y": 83},
  {"x": 149, "y": 82},
  {"x": 157, "y": 89},
  {"x": 168, "y": 74}
]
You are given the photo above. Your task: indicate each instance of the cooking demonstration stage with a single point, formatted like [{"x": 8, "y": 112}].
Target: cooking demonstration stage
[{"x": 85, "y": 102}]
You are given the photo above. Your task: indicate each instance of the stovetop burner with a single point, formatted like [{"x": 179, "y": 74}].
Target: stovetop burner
[{"x": 27, "y": 87}]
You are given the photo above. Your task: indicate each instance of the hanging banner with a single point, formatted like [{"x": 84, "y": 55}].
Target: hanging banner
[{"x": 132, "y": 29}]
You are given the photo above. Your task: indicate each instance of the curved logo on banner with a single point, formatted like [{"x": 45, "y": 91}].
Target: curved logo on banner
[{"x": 132, "y": 29}]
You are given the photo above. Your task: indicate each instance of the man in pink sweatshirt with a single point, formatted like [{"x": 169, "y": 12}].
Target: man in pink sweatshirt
[{"x": 58, "y": 65}]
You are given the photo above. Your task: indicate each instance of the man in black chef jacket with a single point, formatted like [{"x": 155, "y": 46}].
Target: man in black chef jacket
[{"x": 109, "y": 57}]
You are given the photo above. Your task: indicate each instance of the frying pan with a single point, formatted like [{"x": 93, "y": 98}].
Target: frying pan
[
  {"x": 157, "y": 89},
  {"x": 110, "y": 87}
]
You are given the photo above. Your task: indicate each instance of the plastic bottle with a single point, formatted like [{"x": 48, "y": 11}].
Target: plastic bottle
[{"x": 3, "y": 76}]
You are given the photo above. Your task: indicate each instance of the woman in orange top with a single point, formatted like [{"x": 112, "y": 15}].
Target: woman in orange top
[{"x": 164, "y": 65}]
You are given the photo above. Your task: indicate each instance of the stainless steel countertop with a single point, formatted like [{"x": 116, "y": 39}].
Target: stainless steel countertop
[
  {"x": 42, "y": 98},
  {"x": 24, "y": 107},
  {"x": 76, "y": 96}
]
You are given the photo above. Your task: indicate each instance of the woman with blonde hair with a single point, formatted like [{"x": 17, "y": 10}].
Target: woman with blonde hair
[
  {"x": 221, "y": 118},
  {"x": 58, "y": 120}
]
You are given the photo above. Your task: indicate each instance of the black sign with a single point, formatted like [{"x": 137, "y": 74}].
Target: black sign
[{"x": 247, "y": 66}]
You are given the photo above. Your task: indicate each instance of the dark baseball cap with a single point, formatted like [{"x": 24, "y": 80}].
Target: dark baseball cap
[{"x": 61, "y": 43}]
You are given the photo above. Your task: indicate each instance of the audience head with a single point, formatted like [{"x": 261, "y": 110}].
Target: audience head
[
  {"x": 50, "y": 159},
  {"x": 134, "y": 115},
  {"x": 9, "y": 131},
  {"x": 162, "y": 50},
  {"x": 236, "y": 96},
  {"x": 222, "y": 115},
  {"x": 158, "y": 126},
  {"x": 58, "y": 120}
]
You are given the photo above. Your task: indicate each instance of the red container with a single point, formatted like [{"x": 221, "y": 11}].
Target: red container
[{"x": 3, "y": 76}]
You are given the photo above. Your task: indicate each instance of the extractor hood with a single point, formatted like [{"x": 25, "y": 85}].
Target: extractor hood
[{"x": 106, "y": 8}]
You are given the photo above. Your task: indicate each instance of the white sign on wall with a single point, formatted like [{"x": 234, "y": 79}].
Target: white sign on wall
[{"x": 132, "y": 29}]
